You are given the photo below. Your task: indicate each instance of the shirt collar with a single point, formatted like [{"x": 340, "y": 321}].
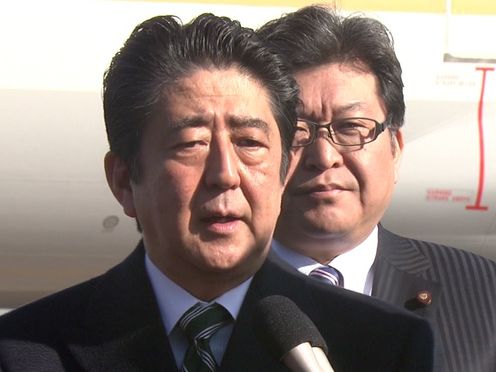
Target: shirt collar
[
  {"x": 173, "y": 300},
  {"x": 355, "y": 265}
]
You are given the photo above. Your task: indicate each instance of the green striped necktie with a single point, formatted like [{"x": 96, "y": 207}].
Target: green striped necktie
[{"x": 200, "y": 323}]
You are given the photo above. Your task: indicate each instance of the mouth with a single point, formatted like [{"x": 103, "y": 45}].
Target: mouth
[
  {"x": 220, "y": 219},
  {"x": 322, "y": 190},
  {"x": 221, "y": 223}
]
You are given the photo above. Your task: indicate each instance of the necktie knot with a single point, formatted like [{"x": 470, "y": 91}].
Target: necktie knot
[
  {"x": 199, "y": 323},
  {"x": 327, "y": 274}
]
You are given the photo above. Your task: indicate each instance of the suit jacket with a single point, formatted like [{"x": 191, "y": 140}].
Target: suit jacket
[
  {"x": 455, "y": 290},
  {"x": 112, "y": 323}
]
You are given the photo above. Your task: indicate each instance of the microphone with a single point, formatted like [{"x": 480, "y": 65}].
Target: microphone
[{"x": 289, "y": 335}]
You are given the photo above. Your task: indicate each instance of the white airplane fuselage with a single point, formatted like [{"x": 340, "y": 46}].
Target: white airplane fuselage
[{"x": 59, "y": 223}]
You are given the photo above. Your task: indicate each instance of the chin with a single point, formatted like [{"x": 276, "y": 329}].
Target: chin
[
  {"x": 221, "y": 262},
  {"x": 324, "y": 227}
]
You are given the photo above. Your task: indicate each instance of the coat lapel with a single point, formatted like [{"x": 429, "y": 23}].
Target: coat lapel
[
  {"x": 400, "y": 278},
  {"x": 244, "y": 352},
  {"x": 399, "y": 275},
  {"x": 122, "y": 329}
]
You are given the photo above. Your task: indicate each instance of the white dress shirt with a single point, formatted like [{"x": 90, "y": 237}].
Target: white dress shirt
[
  {"x": 173, "y": 301},
  {"x": 356, "y": 265}
]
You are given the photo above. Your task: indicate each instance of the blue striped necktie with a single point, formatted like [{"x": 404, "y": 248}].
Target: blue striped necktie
[
  {"x": 328, "y": 274},
  {"x": 199, "y": 324}
]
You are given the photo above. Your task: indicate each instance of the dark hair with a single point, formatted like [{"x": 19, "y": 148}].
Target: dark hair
[
  {"x": 316, "y": 35},
  {"x": 161, "y": 50}
]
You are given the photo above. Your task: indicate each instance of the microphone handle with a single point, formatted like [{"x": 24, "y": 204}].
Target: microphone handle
[
  {"x": 301, "y": 358},
  {"x": 322, "y": 360}
]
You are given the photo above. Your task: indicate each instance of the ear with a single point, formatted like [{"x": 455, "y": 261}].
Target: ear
[
  {"x": 119, "y": 182},
  {"x": 397, "y": 152}
]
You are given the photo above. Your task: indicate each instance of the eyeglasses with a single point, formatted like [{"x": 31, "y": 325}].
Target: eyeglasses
[{"x": 343, "y": 132}]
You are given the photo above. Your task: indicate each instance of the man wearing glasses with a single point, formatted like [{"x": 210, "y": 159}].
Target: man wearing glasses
[{"x": 346, "y": 154}]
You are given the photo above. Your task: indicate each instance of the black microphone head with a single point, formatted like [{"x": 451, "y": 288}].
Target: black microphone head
[{"x": 280, "y": 325}]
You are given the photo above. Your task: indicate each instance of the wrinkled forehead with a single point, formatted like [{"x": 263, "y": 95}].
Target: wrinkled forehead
[
  {"x": 214, "y": 96},
  {"x": 336, "y": 90},
  {"x": 214, "y": 83}
]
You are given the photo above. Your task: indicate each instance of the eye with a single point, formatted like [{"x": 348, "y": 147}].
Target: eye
[
  {"x": 191, "y": 148},
  {"x": 302, "y": 133},
  {"x": 189, "y": 144},
  {"x": 249, "y": 138},
  {"x": 347, "y": 124},
  {"x": 249, "y": 142},
  {"x": 302, "y": 130},
  {"x": 189, "y": 140}
]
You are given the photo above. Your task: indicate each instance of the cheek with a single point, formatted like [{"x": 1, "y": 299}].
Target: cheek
[
  {"x": 271, "y": 202},
  {"x": 380, "y": 176},
  {"x": 174, "y": 190},
  {"x": 374, "y": 171},
  {"x": 264, "y": 191}
]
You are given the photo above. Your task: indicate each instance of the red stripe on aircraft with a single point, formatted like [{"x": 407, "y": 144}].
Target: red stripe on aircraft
[{"x": 480, "y": 189}]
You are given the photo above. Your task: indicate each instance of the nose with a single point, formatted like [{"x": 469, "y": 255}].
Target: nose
[
  {"x": 322, "y": 153},
  {"x": 221, "y": 168}
]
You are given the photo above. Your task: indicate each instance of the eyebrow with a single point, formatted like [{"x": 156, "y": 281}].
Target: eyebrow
[
  {"x": 188, "y": 122},
  {"x": 338, "y": 111},
  {"x": 236, "y": 122},
  {"x": 244, "y": 122},
  {"x": 353, "y": 106}
]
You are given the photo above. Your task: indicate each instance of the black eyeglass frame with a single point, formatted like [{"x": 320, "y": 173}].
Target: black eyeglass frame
[{"x": 378, "y": 129}]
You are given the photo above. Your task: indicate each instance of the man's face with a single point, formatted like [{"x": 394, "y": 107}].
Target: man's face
[
  {"x": 336, "y": 193},
  {"x": 210, "y": 190}
]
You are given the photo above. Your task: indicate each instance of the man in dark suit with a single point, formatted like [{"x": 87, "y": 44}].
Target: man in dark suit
[
  {"x": 346, "y": 152},
  {"x": 199, "y": 119}
]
